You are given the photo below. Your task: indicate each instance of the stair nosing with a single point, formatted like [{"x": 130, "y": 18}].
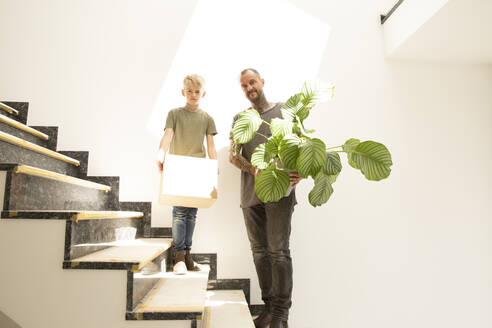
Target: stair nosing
[
  {"x": 39, "y": 149},
  {"x": 9, "y": 109},
  {"x": 30, "y": 170},
  {"x": 23, "y": 127},
  {"x": 76, "y": 215}
]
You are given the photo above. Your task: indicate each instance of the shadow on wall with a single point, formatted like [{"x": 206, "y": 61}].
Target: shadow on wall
[{"x": 6, "y": 322}]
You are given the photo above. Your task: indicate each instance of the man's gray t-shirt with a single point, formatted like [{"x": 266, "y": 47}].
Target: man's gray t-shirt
[
  {"x": 248, "y": 194},
  {"x": 190, "y": 129}
]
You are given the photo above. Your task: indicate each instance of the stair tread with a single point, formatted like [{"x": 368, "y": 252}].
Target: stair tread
[
  {"x": 75, "y": 215},
  {"x": 136, "y": 252},
  {"x": 20, "y": 126},
  {"x": 176, "y": 293},
  {"x": 37, "y": 148},
  {"x": 31, "y": 170},
  {"x": 9, "y": 109},
  {"x": 225, "y": 306}
]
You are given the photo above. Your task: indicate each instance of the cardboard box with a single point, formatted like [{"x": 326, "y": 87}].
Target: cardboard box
[{"x": 188, "y": 181}]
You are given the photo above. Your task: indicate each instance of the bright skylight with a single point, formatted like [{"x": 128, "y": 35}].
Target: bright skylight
[{"x": 284, "y": 43}]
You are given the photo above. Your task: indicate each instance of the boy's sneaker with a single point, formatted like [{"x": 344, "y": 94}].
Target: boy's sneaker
[{"x": 180, "y": 268}]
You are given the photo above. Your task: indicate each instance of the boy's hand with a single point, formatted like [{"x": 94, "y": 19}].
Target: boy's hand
[{"x": 160, "y": 166}]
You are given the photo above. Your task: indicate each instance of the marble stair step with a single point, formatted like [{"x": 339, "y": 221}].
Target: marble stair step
[
  {"x": 75, "y": 216},
  {"x": 32, "y": 188},
  {"x": 224, "y": 307},
  {"x": 34, "y": 171},
  {"x": 8, "y": 109},
  {"x": 130, "y": 255},
  {"x": 20, "y": 151},
  {"x": 15, "y": 110},
  {"x": 10, "y": 126},
  {"x": 36, "y": 148},
  {"x": 174, "y": 297}
]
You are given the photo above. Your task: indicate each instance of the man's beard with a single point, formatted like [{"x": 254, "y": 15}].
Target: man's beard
[{"x": 255, "y": 99}]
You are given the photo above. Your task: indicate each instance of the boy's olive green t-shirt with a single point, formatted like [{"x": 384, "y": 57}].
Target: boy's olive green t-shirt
[{"x": 190, "y": 129}]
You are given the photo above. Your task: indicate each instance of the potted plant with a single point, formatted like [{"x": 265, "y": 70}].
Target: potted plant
[{"x": 292, "y": 148}]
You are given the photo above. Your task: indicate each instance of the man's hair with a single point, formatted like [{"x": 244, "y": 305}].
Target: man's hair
[
  {"x": 195, "y": 79},
  {"x": 252, "y": 70}
]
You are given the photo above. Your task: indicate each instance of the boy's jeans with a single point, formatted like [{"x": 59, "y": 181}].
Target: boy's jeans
[{"x": 183, "y": 227}]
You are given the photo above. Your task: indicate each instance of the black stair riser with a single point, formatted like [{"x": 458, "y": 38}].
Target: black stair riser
[
  {"x": 27, "y": 192},
  {"x": 10, "y": 153},
  {"x": 144, "y": 229},
  {"x": 228, "y": 284},
  {"x": 21, "y": 107},
  {"x": 52, "y": 133},
  {"x": 4, "y": 127},
  {"x": 82, "y": 157}
]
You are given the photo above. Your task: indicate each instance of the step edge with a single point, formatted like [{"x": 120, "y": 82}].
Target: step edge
[
  {"x": 31, "y": 170},
  {"x": 39, "y": 149},
  {"x": 23, "y": 127}
]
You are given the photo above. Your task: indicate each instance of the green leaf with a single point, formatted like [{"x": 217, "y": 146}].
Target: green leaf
[
  {"x": 290, "y": 108},
  {"x": 246, "y": 125},
  {"x": 314, "y": 92},
  {"x": 312, "y": 157},
  {"x": 281, "y": 127},
  {"x": 264, "y": 153},
  {"x": 289, "y": 151},
  {"x": 333, "y": 178},
  {"x": 272, "y": 184},
  {"x": 333, "y": 164},
  {"x": 258, "y": 158},
  {"x": 373, "y": 159},
  {"x": 348, "y": 147},
  {"x": 322, "y": 189},
  {"x": 271, "y": 147}
]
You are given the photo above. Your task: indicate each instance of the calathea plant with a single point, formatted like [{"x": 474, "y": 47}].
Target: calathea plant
[{"x": 292, "y": 148}]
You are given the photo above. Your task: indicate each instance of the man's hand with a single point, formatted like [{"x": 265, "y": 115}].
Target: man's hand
[{"x": 294, "y": 179}]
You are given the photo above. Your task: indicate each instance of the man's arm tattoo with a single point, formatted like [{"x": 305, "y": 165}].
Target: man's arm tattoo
[{"x": 240, "y": 162}]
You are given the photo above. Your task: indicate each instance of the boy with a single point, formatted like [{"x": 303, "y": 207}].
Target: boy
[{"x": 186, "y": 127}]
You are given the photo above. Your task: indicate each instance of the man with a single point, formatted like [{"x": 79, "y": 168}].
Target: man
[{"x": 268, "y": 224}]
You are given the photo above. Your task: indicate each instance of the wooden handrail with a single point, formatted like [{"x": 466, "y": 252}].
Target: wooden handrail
[
  {"x": 23, "y": 127},
  {"x": 9, "y": 109},
  {"x": 59, "y": 177},
  {"x": 31, "y": 146}
]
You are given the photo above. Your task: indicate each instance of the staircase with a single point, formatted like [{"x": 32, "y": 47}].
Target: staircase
[{"x": 47, "y": 192}]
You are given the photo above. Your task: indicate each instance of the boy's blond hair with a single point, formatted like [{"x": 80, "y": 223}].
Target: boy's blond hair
[{"x": 195, "y": 80}]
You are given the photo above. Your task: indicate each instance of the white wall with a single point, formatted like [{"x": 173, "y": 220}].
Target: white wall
[
  {"x": 407, "y": 19},
  {"x": 411, "y": 251}
]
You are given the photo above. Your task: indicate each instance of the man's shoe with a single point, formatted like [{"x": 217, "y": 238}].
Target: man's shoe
[
  {"x": 263, "y": 319},
  {"x": 278, "y": 323}
]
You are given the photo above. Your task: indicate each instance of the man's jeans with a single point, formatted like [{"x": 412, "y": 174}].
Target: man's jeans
[
  {"x": 268, "y": 227},
  {"x": 183, "y": 227}
]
